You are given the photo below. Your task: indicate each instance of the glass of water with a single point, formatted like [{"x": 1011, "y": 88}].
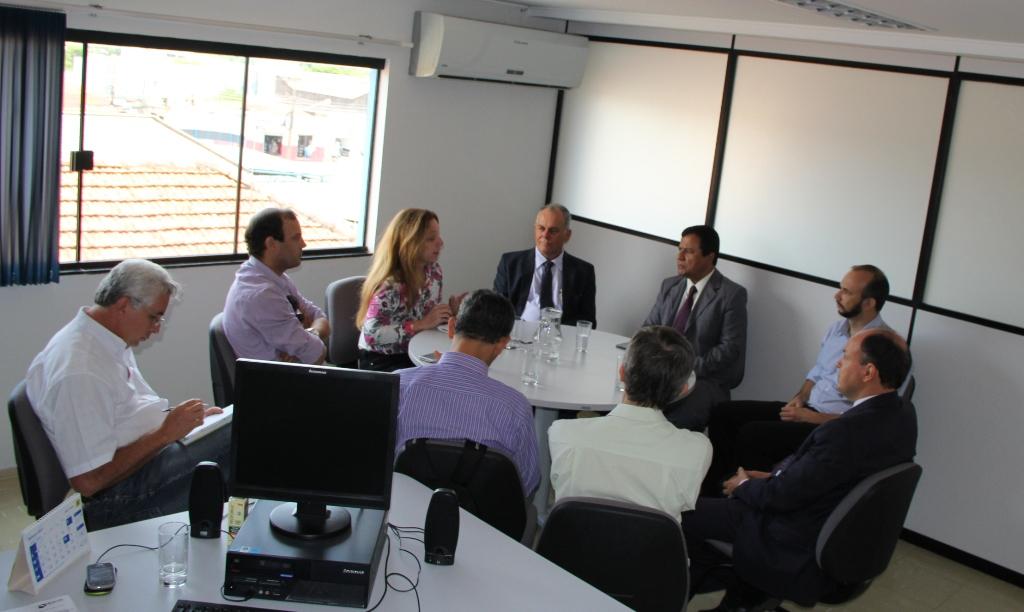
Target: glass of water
[
  {"x": 531, "y": 361},
  {"x": 619, "y": 385},
  {"x": 173, "y": 540},
  {"x": 583, "y": 335}
]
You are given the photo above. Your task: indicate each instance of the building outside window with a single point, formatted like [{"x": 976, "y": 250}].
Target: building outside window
[{"x": 188, "y": 143}]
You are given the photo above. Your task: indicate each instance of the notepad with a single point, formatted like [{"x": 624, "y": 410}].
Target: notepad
[{"x": 210, "y": 424}]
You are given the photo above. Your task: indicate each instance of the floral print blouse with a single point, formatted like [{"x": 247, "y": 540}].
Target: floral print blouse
[{"x": 388, "y": 325}]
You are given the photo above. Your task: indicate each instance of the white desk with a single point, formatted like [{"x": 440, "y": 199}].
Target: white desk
[{"x": 491, "y": 571}]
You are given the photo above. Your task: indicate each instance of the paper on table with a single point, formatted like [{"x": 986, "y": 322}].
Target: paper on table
[
  {"x": 54, "y": 604},
  {"x": 210, "y": 424}
]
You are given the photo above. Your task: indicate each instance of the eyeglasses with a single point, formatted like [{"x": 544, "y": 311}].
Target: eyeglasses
[{"x": 154, "y": 319}]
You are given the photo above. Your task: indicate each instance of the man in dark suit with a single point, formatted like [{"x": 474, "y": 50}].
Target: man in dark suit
[
  {"x": 711, "y": 312},
  {"x": 773, "y": 519},
  {"x": 547, "y": 276}
]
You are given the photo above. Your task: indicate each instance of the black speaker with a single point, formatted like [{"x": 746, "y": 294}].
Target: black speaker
[
  {"x": 206, "y": 500},
  {"x": 441, "y": 530}
]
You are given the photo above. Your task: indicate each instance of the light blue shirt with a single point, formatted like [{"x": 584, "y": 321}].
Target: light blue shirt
[{"x": 825, "y": 396}]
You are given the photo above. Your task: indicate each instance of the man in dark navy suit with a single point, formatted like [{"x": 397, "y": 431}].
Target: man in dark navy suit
[
  {"x": 547, "y": 276},
  {"x": 773, "y": 518}
]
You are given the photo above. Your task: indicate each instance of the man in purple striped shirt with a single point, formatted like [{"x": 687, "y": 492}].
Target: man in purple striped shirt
[
  {"x": 455, "y": 399},
  {"x": 265, "y": 316}
]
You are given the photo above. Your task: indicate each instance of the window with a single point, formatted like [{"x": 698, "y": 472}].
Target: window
[{"x": 169, "y": 146}]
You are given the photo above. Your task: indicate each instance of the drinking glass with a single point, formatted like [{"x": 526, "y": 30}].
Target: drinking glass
[
  {"x": 619, "y": 385},
  {"x": 531, "y": 360},
  {"x": 173, "y": 541},
  {"x": 583, "y": 335}
]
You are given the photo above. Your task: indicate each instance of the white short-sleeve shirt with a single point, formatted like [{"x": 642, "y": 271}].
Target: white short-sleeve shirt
[
  {"x": 90, "y": 396},
  {"x": 633, "y": 454}
]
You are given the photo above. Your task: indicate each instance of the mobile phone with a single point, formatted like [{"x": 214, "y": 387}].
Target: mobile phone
[{"x": 99, "y": 578}]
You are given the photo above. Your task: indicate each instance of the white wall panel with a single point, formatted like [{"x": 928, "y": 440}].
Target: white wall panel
[
  {"x": 984, "y": 65},
  {"x": 982, "y": 209},
  {"x": 970, "y": 418},
  {"x": 828, "y": 165},
  {"x": 667, "y": 35},
  {"x": 638, "y": 135},
  {"x": 629, "y": 272},
  {"x": 850, "y": 53}
]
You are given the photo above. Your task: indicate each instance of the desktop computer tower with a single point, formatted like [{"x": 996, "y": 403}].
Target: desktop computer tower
[{"x": 338, "y": 570}]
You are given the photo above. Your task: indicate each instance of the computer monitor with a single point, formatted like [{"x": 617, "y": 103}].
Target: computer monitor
[{"x": 317, "y": 437}]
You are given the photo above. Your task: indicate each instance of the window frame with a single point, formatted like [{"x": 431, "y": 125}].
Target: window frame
[{"x": 87, "y": 37}]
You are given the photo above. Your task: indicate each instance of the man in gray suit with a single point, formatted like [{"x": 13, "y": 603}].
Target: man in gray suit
[{"x": 711, "y": 312}]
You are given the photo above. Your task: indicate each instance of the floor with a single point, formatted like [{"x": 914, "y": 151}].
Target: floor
[
  {"x": 919, "y": 580},
  {"x": 916, "y": 580}
]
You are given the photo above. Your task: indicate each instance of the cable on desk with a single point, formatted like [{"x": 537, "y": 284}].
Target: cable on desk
[
  {"x": 413, "y": 585},
  {"x": 412, "y": 588},
  {"x": 387, "y": 558},
  {"x": 401, "y": 528},
  {"x": 398, "y": 529},
  {"x": 234, "y": 599},
  {"x": 120, "y": 545}
]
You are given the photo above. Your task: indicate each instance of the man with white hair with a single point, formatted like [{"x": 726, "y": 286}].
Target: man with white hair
[{"x": 116, "y": 439}]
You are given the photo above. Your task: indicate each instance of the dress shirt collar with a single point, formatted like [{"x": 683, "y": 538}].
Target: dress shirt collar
[
  {"x": 539, "y": 259},
  {"x": 638, "y": 413},
  {"x": 264, "y": 270},
  {"x": 873, "y": 323},
  {"x": 699, "y": 284},
  {"x": 455, "y": 359},
  {"x": 107, "y": 339},
  {"x": 863, "y": 399}
]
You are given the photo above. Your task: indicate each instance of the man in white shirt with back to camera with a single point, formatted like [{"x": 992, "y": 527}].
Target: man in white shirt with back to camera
[{"x": 634, "y": 454}]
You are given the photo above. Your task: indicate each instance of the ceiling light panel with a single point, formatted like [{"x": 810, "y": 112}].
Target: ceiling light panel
[{"x": 852, "y": 14}]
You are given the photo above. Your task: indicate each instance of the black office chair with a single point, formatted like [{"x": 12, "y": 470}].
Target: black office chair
[
  {"x": 222, "y": 363},
  {"x": 908, "y": 392},
  {"x": 632, "y": 553},
  {"x": 859, "y": 537},
  {"x": 342, "y": 306},
  {"x": 42, "y": 479},
  {"x": 486, "y": 482},
  {"x": 857, "y": 540}
]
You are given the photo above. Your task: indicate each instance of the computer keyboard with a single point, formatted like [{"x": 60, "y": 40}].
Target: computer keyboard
[{"x": 185, "y": 605}]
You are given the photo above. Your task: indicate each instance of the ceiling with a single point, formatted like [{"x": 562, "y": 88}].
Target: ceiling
[{"x": 985, "y": 28}]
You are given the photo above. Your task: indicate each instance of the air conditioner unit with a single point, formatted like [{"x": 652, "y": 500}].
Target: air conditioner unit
[{"x": 466, "y": 49}]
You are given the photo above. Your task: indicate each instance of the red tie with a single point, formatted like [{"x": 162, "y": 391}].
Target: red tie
[{"x": 684, "y": 311}]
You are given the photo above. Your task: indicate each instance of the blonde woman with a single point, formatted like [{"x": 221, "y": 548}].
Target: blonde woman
[{"x": 402, "y": 294}]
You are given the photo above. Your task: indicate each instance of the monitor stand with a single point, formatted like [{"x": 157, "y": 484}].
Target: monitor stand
[{"x": 310, "y": 521}]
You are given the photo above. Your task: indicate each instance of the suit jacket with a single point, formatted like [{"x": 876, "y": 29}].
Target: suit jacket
[
  {"x": 774, "y": 548},
  {"x": 717, "y": 326},
  {"x": 579, "y": 289}
]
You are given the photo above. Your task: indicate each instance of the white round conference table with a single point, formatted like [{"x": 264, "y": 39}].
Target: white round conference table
[{"x": 578, "y": 381}]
